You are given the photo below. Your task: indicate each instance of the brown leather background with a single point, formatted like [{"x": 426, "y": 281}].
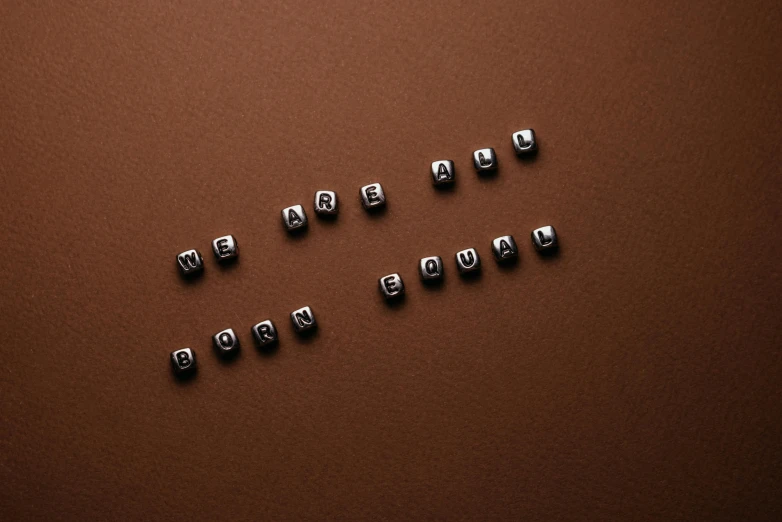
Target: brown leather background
[{"x": 634, "y": 376}]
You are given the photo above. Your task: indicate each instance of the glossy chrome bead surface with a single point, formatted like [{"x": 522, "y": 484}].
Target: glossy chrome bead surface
[
  {"x": 265, "y": 334},
  {"x": 468, "y": 260},
  {"x": 190, "y": 262},
  {"x": 443, "y": 172},
  {"x": 372, "y": 196},
  {"x": 545, "y": 239},
  {"x": 226, "y": 343},
  {"x": 183, "y": 361},
  {"x": 294, "y": 218},
  {"x": 391, "y": 286},
  {"x": 431, "y": 268},
  {"x": 303, "y": 319},
  {"x": 504, "y": 248},
  {"x": 524, "y": 142},
  {"x": 225, "y": 248},
  {"x": 484, "y": 160},
  {"x": 326, "y": 203}
]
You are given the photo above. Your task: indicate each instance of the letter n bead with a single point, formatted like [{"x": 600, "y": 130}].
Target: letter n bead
[
  {"x": 190, "y": 262},
  {"x": 183, "y": 362},
  {"x": 303, "y": 319},
  {"x": 392, "y": 286},
  {"x": 468, "y": 261},
  {"x": 504, "y": 248}
]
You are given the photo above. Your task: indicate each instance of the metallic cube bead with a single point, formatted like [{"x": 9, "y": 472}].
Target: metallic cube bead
[
  {"x": 545, "y": 239},
  {"x": 524, "y": 142},
  {"x": 225, "y": 248},
  {"x": 326, "y": 203},
  {"x": 431, "y": 268},
  {"x": 485, "y": 160},
  {"x": 468, "y": 261},
  {"x": 504, "y": 248},
  {"x": 226, "y": 343},
  {"x": 190, "y": 262},
  {"x": 183, "y": 361},
  {"x": 443, "y": 172},
  {"x": 372, "y": 196},
  {"x": 265, "y": 334},
  {"x": 391, "y": 286},
  {"x": 303, "y": 319},
  {"x": 294, "y": 218}
]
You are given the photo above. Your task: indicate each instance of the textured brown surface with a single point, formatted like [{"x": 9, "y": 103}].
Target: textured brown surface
[{"x": 634, "y": 376}]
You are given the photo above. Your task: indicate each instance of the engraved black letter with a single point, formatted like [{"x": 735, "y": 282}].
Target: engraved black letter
[
  {"x": 303, "y": 318},
  {"x": 183, "y": 359},
  {"x": 371, "y": 195},
  {"x": 325, "y": 201},
  {"x": 470, "y": 257},
  {"x": 390, "y": 283},
  {"x": 293, "y": 217},
  {"x": 431, "y": 267},
  {"x": 505, "y": 248}
]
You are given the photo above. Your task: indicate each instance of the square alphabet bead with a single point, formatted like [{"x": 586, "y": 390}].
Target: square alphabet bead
[
  {"x": 326, "y": 203},
  {"x": 372, "y": 196},
  {"x": 265, "y": 334},
  {"x": 183, "y": 361},
  {"x": 303, "y": 319},
  {"x": 391, "y": 286},
  {"x": 468, "y": 261},
  {"x": 504, "y": 248},
  {"x": 442, "y": 172},
  {"x": 485, "y": 160},
  {"x": 225, "y": 248},
  {"x": 226, "y": 343},
  {"x": 294, "y": 218},
  {"x": 545, "y": 239},
  {"x": 524, "y": 142},
  {"x": 431, "y": 268},
  {"x": 190, "y": 262}
]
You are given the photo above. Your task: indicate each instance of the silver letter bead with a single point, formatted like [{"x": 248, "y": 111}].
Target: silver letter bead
[
  {"x": 504, "y": 248},
  {"x": 442, "y": 172},
  {"x": 303, "y": 319},
  {"x": 545, "y": 239},
  {"x": 524, "y": 142},
  {"x": 326, "y": 203},
  {"x": 294, "y": 218},
  {"x": 190, "y": 262},
  {"x": 183, "y": 361},
  {"x": 226, "y": 343},
  {"x": 391, "y": 286},
  {"x": 431, "y": 268},
  {"x": 484, "y": 160},
  {"x": 225, "y": 248},
  {"x": 372, "y": 196},
  {"x": 468, "y": 261},
  {"x": 265, "y": 334}
]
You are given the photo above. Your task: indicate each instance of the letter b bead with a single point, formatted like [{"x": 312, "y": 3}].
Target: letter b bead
[
  {"x": 392, "y": 286},
  {"x": 183, "y": 361}
]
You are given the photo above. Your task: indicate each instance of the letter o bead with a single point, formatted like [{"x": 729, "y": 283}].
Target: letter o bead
[
  {"x": 391, "y": 286},
  {"x": 226, "y": 343},
  {"x": 183, "y": 362}
]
